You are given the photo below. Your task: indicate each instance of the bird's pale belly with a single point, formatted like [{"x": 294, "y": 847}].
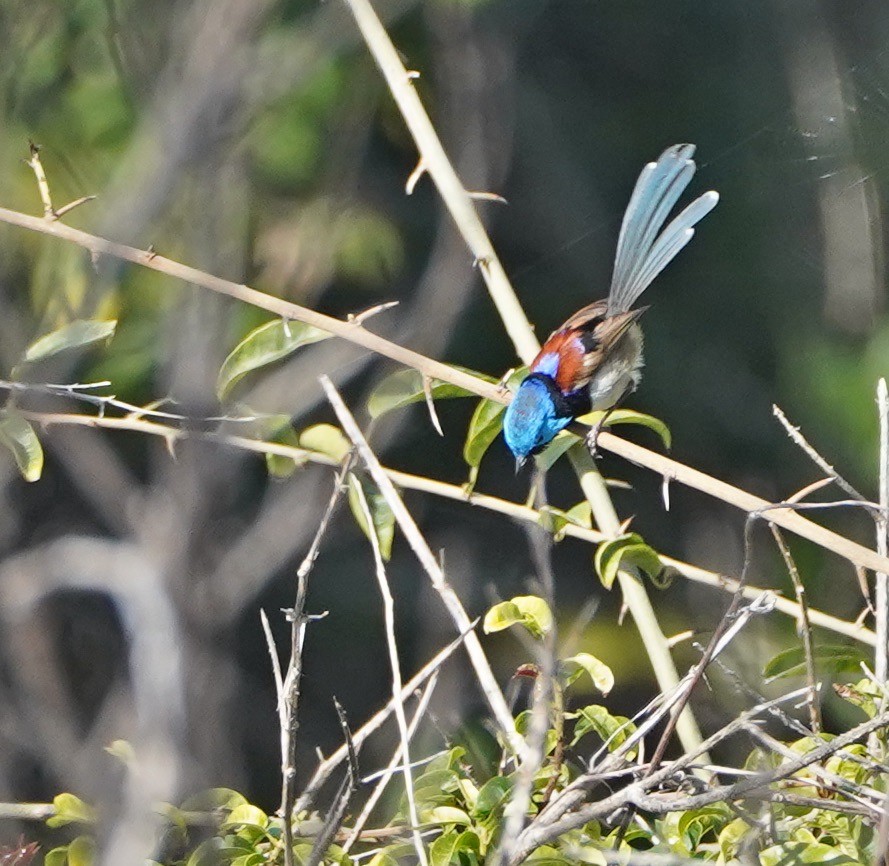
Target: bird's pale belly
[{"x": 620, "y": 373}]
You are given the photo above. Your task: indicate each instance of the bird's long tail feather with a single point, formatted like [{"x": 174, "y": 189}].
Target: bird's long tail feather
[{"x": 641, "y": 252}]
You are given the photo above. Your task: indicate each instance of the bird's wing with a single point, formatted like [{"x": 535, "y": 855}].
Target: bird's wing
[
  {"x": 572, "y": 354},
  {"x": 641, "y": 253}
]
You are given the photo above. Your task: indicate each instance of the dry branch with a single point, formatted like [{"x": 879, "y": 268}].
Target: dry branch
[
  {"x": 658, "y": 463},
  {"x": 454, "y": 492}
]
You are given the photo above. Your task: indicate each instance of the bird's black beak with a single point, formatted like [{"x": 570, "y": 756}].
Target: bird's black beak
[{"x": 519, "y": 463}]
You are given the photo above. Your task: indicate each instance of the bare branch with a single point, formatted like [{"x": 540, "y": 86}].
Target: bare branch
[
  {"x": 803, "y": 628},
  {"x": 397, "y": 758},
  {"x": 456, "y": 493},
  {"x": 328, "y": 765},
  {"x": 404, "y": 734},
  {"x": 290, "y": 688},
  {"x": 483, "y": 672},
  {"x": 795, "y": 434}
]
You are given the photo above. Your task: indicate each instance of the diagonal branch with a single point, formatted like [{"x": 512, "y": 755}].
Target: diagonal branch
[
  {"x": 355, "y": 333},
  {"x": 454, "y": 492},
  {"x": 430, "y": 564}
]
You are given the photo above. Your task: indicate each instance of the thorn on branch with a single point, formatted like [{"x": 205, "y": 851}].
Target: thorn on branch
[
  {"x": 479, "y": 195},
  {"x": 359, "y": 319},
  {"x": 430, "y": 405},
  {"x": 73, "y": 204},
  {"x": 414, "y": 176}
]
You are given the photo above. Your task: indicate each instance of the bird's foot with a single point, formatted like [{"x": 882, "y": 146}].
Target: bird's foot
[{"x": 592, "y": 439}]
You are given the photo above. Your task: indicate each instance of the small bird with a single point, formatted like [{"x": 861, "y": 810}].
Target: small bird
[{"x": 595, "y": 359}]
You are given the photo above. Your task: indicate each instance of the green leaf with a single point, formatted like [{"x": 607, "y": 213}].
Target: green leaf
[
  {"x": 74, "y": 335},
  {"x": 558, "y": 447},
  {"x": 570, "y": 669},
  {"x": 441, "y": 815},
  {"x": 278, "y": 429},
  {"x": 82, "y": 852},
  {"x": 555, "y": 520},
  {"x": 70, "y": 809},
  {"x": 247, "y": 814},
  {"x": 492, "y": 796},
  {"x": 486, "y": 423},
  {"x": 262, "y": 346},
  {"x": 530, "y": 611},
  {"x": 325, "y": 439},
  {"x": 381, "y": 515},
  {"x": 546, "y": 855},
  {"x": 123, "y": 751},
  {"x": 56, "y": 857},
  {"x": 730, "y": 838},
  {"x": 830, "y": 659},
  {"x": 212, "y": 799},
  {"x": 797, "y": 853},
  {"x": 19, "y": 437},
  {"x": 865, "y": 694},
  {"x": 484, "y": 426},
  {"x": 523, "y": 725},
  {"x": 627, "y": 551},
  {"x": 461, "y": 848},
  {"x": 381, "y": 858},
  {"x": 630, "y": 416},
  {"x": 406, "y": 387},
  {"x": 594, "y": 718}
]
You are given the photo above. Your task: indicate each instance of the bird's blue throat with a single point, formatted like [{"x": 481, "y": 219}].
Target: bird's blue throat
[{"x": 537, "y": 413}]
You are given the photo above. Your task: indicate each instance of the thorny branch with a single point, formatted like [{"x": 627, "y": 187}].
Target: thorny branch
[
  {"x": 453, "y": 492},
  {"x": 290, "y": 689}
]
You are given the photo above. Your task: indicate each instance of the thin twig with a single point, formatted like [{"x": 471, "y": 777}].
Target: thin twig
[
  {"x": 795, "y": 434},
  {"x": 544, "y": 703},
  {"x": 36, "y": 166},
  {"x": 326, "y": 767},
  {"x": 457, "y": 493},
  {"x": 454, "y": 606},
  {"x": 803, "y": 629},
  {"x": 403, "y": 733},
  {"x": 349, "y": 785},
  {"x": 435, "y": 162},
  {"x": 881, "y": 663},
  {"x": 397, "y": 759},
  {"x": 658, "y": 463},
  {"x": 639, "y": 794},
  {"x": 635, "y": 596},
  {"x": 290, "y": 689}
]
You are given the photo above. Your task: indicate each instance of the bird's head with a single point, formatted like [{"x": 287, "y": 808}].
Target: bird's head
[{"x": 533, "y": 418}]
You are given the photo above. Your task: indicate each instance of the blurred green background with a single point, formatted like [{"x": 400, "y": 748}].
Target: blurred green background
[{"x": 257, "y": 140}]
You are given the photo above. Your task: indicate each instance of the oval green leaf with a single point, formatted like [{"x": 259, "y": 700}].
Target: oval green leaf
[
  {"x": 264, "y": 345},
  {"x": 70, "y": 809},
  {"x": 829, "y": 659},
  {"x": 483, "y": 428},
  {"x": 381, "y": 515},
  {"x": 595, "y": 718},
  {"x": 74, "y": 335},
  {"x": 406, "y": 387},
  {"x": 630, "y": 416},
  {"x": 601, "y": 675},
  {"x": 627, "y": 551},
  {"x": 529, "y": 611},
  {"x": 19, "y": 437},
  {"x": 325, "y": 439},
  {"x": 82, "y": 852}
]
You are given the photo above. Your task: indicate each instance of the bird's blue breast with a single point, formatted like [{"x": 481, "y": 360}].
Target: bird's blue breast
[{"x": 533, "y": 418}]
